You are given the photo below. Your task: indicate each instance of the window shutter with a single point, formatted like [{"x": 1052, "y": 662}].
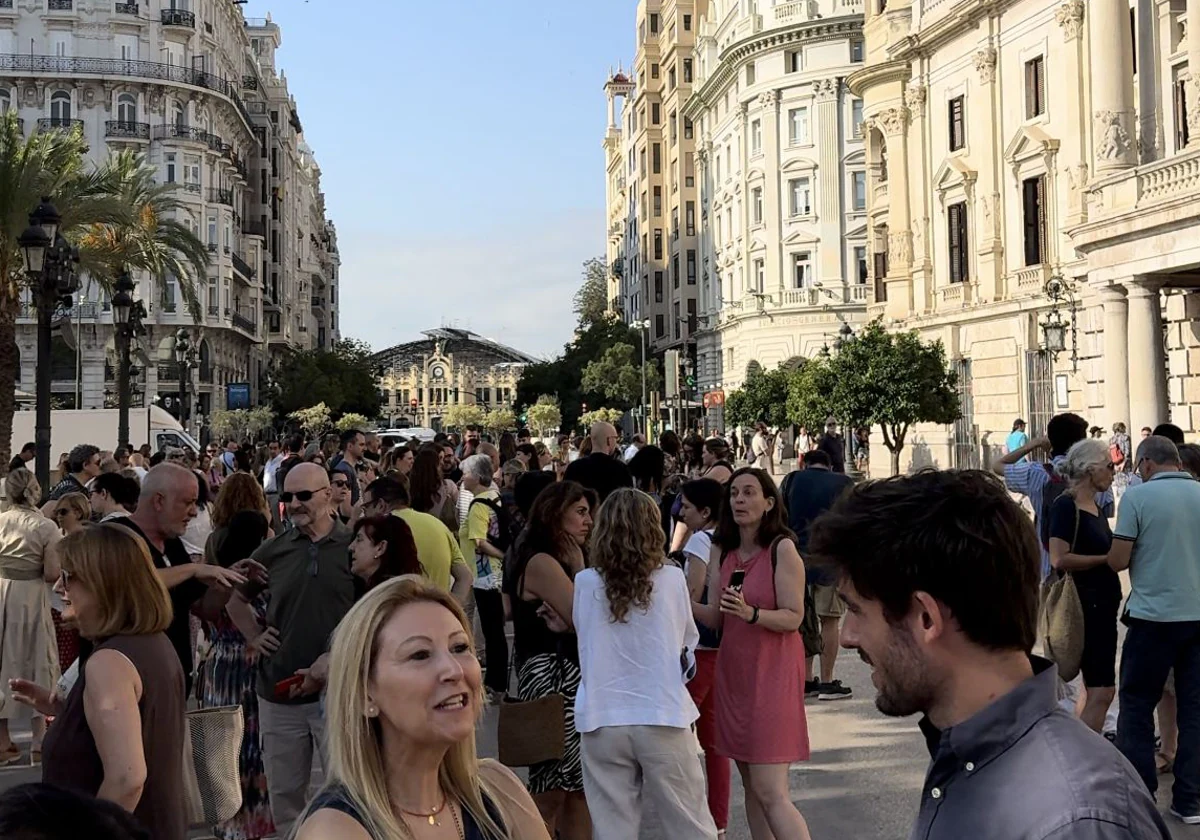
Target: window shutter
[
  {"x": 1040, "y": 184},
  {"x": 956, "y": 233}
]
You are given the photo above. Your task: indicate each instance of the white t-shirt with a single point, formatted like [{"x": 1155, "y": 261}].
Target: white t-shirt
[
  {"x": 760, "y": 450},
  {"x": 632, "y": 670},
  {"x": 630, "y": 451},
  {"x": 699, "y": 545}
]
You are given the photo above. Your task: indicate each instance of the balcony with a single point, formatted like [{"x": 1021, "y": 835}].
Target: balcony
[
  {"x": 177, "y": 17},
  {"x": 254, "y": 229},
  {"x": 271, "y": 304},
  {"x": 60, "y": 5},
  {"x": 213, "y": 310},
  {"x": 126, "y": 9},
  {"x": 244, "y": 321},
  {"x": 1029, "y": 280},
  {"x": 58, "y": 124},
  {"x": 241, "y": 266},
  {"x": 6, "y": 4},
  {"x": 188, "y": 187},
  {"x": 956, "y": 294},
  {"x": 168, "y": 372},
  {"x": 249, "y": 83},
  {"x": 219, "y": 195},
  {"x": 122, "y": 130},
  {"x": 318, "y": 303},
  {"x": 175, "y": 131},
  {"x": 212, "y": 247}
]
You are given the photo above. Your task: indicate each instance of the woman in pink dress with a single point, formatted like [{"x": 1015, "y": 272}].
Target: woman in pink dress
[{"x": 760, "y": 666}]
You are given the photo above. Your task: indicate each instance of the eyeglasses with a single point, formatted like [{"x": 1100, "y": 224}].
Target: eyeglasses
[
  {"x": 300, "y": 496},
  {"x": 63, "y": 511}
]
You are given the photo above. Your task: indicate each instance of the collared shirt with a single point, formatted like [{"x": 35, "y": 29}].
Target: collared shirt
[
  {"x": 1024, "y": 768},
  {"x": 70, "y": 484},
  {"x": 311, "y": 590},
  {"x": 1162, "y": 519},
  {"x": 269, "y": 471}
]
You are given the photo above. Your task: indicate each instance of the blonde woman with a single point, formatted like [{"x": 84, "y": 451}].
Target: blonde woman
[
  {"x": 405, "y": 694},
  {"x": 28, "y": 561},
  {"x": 637, "y": 638},
  {"x": 1079, "y": 542}
]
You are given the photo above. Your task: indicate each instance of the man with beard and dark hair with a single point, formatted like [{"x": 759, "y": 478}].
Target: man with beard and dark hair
[{"x": 940, "y": 573}]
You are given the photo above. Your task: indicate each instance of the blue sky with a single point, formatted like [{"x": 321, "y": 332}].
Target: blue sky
[{"x": 460, "y": 146}]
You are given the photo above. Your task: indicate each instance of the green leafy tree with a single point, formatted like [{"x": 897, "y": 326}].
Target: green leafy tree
[
  {"x": 314, "y": 419},
  {"x": 343, "y": 378},
  {"x": 564, "y": 375},
  {"x": 591, "y": 301},
  {"x": 810, "y": 391},
  {"x": 500, "y": 420},
  {"x": 111, "y": 199},
  {"x": 890, "y": 379},
  {"x": 544, "y": 415},
  {"x": 618, "y": 376},
  {"x": 601, "y": 415},
  {"x": 763, "y": 396},
  {"x": 460, "y": 417},
  {"x": 351, "y": 420}
]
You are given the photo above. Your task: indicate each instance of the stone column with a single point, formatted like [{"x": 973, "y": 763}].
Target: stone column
[
  {"x": 775, "y": 273},
  {"x": 894, "y": 122},
  {"x": 1147, "y": 365},
  {"x": 1193, "y": 90},
  {"x": 1115, "y": 342},
  {"x": 1112, "y": 89},
  {"x": 829, "y": 186}
]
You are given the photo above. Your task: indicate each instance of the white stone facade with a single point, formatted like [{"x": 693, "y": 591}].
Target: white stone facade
[
  {"x": 192, "y": 86},
  {"x": 1012, "y": 142}
]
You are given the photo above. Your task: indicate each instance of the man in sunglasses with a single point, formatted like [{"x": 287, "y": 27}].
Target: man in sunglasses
[{"x": 311, "y": 590}]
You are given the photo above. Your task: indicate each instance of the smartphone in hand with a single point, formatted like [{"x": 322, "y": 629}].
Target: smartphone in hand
[
  {"x": 737, "y": 579},
  {"x": 283, "y": 688}
]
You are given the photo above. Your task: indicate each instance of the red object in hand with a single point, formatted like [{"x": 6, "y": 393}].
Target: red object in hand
[{"x": 283, "y": 688}]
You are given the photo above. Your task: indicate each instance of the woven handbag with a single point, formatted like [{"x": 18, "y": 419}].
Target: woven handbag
[
  {"x": 531, "y": 731},
  {"x": 1062, "y": 620},
  {"x": 211, "y": 774}
]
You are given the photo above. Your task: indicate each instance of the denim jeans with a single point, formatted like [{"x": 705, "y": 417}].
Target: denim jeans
[{"x": 1151, "y": 649}]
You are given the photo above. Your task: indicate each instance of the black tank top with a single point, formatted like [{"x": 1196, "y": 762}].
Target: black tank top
[
  {"x": 531, "y": 636},
  {"x": 335, "y": 798}
]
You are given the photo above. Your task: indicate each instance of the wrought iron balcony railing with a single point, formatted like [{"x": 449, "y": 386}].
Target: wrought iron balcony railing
[
  {"x": 178, "y": 17},
  {"x": 126, "y": 8},
  {"x": 123, "y": 130},
  {"x": 58, "y": 124}
]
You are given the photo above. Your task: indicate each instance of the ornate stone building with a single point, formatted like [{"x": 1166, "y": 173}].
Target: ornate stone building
[
  {"x": 194, "y": 88},
  {"x": 1036, "y": 163},
  {"x": 421, "y": 379}
]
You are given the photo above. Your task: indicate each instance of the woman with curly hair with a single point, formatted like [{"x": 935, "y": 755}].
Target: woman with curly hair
[
  {"x": 637, "y": 639},
  {"x": 240, "y": 491}
]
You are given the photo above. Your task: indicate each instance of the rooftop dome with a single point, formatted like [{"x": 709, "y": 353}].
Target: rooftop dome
[{"x": 464, "y": 346}]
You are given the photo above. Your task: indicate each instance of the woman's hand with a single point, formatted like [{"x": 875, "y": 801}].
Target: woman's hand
[
  {"x": 265, "y": 643},
  {"x": 217, "y": 577},
  {"x": 732, "y": 603},
  {"x": 554, "y": 621},
  {"x": 44, "y": 701}
]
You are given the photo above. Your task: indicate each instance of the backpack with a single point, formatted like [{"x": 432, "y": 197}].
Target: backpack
[
  {"x": 1054, "y": 488},
  {"x": 1116, "y": 454},
  {"x": 503, "y": 538}
]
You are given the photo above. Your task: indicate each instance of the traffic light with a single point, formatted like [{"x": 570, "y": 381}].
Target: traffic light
[
  {"x": 524, "y": 416},
  {"x": 690, "y": 380}
]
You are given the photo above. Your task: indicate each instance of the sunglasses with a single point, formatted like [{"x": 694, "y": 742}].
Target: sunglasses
[
  {"x": 342, "y": 483},
  {"x": 299, "y": 496},
  {"x": 63, "y": 511}
]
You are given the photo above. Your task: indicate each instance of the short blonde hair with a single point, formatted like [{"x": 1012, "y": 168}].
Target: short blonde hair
[
  {"x": 21, "y": 488},
  {"x": 115, "y": 566},
  {"x": 79, "y": 504}
]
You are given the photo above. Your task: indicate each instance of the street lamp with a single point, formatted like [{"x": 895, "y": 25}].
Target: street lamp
[
  {"x": 51, "y": 264},
  {"x": 123, "y": 309},
  {"x": 1054, "y": 325},
  {"x": 183, "y": 357},
  {"x": 642, "y": 326}
]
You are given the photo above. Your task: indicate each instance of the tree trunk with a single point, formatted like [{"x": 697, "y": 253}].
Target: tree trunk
[
  {"x": 9, "y": 362},
  {"x": 895, "y": 461}
]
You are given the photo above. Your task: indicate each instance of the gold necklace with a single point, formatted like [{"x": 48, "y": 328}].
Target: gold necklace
[{"x": 431, "y": 816}]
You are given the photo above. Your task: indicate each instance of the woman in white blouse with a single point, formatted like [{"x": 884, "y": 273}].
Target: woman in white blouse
[{"x": 636, "y": 634}]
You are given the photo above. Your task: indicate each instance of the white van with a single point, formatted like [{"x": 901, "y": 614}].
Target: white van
[{"x": 69, "y": 428}]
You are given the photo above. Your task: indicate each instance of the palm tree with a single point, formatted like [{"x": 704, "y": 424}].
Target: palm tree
[
  {"x": 147, "y": 238},
  {"x": 115, "y": 213}
]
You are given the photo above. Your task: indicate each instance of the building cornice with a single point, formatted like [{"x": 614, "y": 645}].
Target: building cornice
[
  {"x": 863, "y": 80},
  {"x": 809, "y": 32},
  {"x": 961, "y": 19}
]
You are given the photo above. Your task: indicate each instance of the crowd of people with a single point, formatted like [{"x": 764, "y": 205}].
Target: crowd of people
[{"x": 668, "y": 601}]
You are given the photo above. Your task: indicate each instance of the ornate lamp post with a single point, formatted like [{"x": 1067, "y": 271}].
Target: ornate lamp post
[
  {"x": 184, "y": 356},
  {"x": 1054, "y": 325},
  {"x": 123, "y": 311},
  {"x": 51, "y": 264}
]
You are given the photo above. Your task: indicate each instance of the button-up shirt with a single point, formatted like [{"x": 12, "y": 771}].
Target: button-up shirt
[
  {"x": 1162, "y": 520},
  {"x": 1024, "y": 769}
]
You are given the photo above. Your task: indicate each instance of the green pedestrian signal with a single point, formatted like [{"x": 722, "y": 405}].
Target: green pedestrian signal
[
  {"x": 524, "y": 417},
  {"x": 690, "y": 381}
]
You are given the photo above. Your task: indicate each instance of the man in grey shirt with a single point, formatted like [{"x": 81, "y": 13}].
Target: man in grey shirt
[{"x": 940, "y": 574}]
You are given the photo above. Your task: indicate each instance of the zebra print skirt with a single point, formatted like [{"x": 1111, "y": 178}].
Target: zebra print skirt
[{"x": 537, "y": 676}]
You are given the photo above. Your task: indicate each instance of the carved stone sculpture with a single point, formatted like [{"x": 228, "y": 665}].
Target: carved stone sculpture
[
  {"x": 1112, "y": 139},
  {"x": 985, "y": 65},
  {"x": 1070, "y": 17}
]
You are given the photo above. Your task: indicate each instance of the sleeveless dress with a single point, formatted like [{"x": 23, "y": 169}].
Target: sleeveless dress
[
  {"x": 760, "y": 677},
  {"x": 334, "y": 798},
  {"x": 69, "y": 756}
]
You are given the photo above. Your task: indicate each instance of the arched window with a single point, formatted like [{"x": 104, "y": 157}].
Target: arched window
[
  {"x": 206, "y": 365},
  {"x": 60, "y": 106},
  {"x": 127, "y": 108}
]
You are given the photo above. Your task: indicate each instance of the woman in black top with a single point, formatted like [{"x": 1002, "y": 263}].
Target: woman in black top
[
  {"x": 1079, "y": 542},
  {"x": 541, "y": 591}
]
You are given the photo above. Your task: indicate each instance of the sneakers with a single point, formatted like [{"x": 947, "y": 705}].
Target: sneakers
[
  {"x": 834, "y": 690},
  {"x": 1190, "y": 819},
  {"x": 812, "y": 688}
]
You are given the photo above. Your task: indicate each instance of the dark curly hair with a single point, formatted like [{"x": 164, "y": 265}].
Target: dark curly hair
[{"x": 626, "y": 547}]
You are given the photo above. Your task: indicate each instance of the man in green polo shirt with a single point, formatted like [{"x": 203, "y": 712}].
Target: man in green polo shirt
[
  {"x": 311, "y": 590},
  {"x": 1158, "y": 539}
]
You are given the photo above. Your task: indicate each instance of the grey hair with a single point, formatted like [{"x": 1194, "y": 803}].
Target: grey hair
[
  {"x": 1082, "y": 457},
  {"x": 479, "y": 466},
  {"x": 1158, "y": 450},
  {"x": 163, "y": 479},
  {"x": 79, "y": 457},
  {"x": 21, "y": 488}
]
